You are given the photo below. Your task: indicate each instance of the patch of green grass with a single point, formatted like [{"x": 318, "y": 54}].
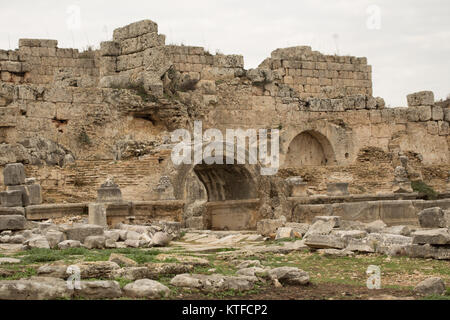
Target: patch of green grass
[
  {"x": 21, "y": 273},
  {"x": 123, "y": 282}
]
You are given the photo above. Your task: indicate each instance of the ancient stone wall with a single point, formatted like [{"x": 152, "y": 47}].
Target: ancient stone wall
[{"x": 74, "y": 117}]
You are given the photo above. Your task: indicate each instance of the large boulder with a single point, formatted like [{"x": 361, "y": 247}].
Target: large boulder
[
  {"x": 161, "y": 239},
  {"x": 430, "y": 286},
  {"x": 433, "y": 218},
  {"x": 146, "y": 288},
  {"x": 35, "y": 288},
  {"x": 290, "y": 275}
]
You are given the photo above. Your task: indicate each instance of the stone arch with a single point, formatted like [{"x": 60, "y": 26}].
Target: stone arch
[
  {"x": 219, "y": 179},
  {"x": 228, "y": 194},
  {"x": 309, "y": 148}
]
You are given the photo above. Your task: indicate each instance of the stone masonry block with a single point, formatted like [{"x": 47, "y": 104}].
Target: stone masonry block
[
  {"x": 14, "y": 174},
  {"x": 422, "y": 98}
]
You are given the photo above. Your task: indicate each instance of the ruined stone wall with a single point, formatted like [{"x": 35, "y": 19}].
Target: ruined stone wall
[
  {"x": 75, "y": 117},
  {"x": 312, "y": 74},
  {"x": 40, "y": 61}
]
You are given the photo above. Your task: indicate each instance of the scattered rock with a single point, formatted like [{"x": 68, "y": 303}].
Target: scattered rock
[
  {"x": 69, "y": 244},
  {"x": 35, "y": 288},
  {"x": 433, "y": 236},
  {"x": 375, "y": 226},
  {"x": 161, "y": 239},
  {"x": 81, "y": 231},
  {"x": 95, "y": 242},
  {"x": 284, "y": 233},
  {"x": 433, "y": 218},
  {"x": 146, "y": 288},
  {"x": 9, "y": 260},
  {"x": 99, "y": 290},
  {"x": 430, "y": 286},
  {"x": 122, "y": 260},
  {"x": 266, "y": 227},
  {"x": 290, "y": 275}
]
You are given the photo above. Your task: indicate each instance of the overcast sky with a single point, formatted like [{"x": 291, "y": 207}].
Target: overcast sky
[{"x": 407, "y": 42}]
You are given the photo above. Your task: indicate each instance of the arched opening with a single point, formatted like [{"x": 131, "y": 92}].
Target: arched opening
[
  {"x": 309, "y": 148},
  {"x": 226, "y": 182}
]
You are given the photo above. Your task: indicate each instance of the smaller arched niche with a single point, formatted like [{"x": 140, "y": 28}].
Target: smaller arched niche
[{"x": 309, "y": 148}]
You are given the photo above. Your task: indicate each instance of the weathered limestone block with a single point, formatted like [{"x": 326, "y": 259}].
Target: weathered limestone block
[
  {"x": 44, "y": 43},
  {"x": 195, "y": 223},
  {"x": 290, "y": 275},
  {"x": 81, "y": 231},
  {"x": 4, "y": 211},
  {"x": 146, "y": 288},
  {"x": 95, "y": 242},
  {"x": 337, "y": 189},
  {"x": 437, "y": 113},
  {"x": 109, "y": 48},
  {"x": 267, "y": 227},
  {"x": 11, "y": 198},
  {"x": 433, "y": 236},
  {"x": 11, "y": 66},
  {"x": 105, "y": 289},
  {"x": 34, "y": 194},
  {"x": 335, "y": 220},
  {"x": 422, "y": 98},
  {"x": 433, "y": 218},
  {"x": 35, "y": 288},
  {"x": 284, "y": 233},
  {"x": 135, "y": 29},
  {"x": 260, "y": 75},
  {"x": 375, "y": 226},
  {"x": 12, "y": 222},
  {"x": 428, "y": 251},
  {"x": 54, "y": 238},
  {"x": 66, "y": 244},
  {"x": 14, "y": 174},
  {"x": 97, "y": 214},
  {"x": 322, "y": 241},
  {"x": 39, "y": 242},
  {"x": 109, "y": 191},
  {"x": 297, "y": 187},
  {"x": 161, "y": 239}
]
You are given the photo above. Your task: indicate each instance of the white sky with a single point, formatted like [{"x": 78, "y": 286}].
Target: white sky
[{"x": 409, "y": 52}]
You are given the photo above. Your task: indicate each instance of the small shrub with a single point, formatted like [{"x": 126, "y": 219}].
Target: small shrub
[
  {"x": 424, "y": 189},
  {"x": 83, "y": 138}
]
